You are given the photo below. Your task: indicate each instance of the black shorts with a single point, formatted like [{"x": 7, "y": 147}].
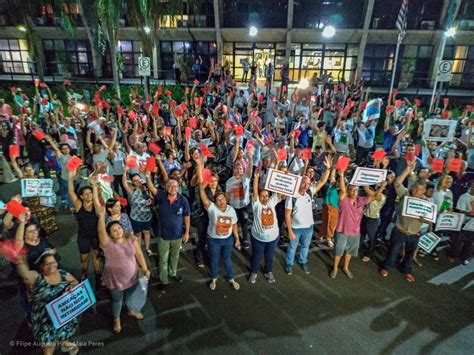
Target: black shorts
[{"x": 85, "y": 244}]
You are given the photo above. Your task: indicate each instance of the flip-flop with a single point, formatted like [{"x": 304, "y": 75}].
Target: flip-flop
[{"x": 136, "y": 315}]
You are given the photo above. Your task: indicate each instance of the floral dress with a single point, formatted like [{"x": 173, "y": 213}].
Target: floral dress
[{"x": 43, "y": 328}]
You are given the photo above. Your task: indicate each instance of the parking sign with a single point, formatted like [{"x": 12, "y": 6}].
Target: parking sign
[
  {"x": 144, "y": 66},
  {"x": 444, "y": 70}
]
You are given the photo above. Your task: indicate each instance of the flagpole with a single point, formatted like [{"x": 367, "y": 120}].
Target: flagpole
[
  {"x": 394, "y": 68},
  {"x": 438, "y": 61}
]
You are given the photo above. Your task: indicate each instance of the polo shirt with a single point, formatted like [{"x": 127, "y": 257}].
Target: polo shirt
[
  {"x": 350, "y": 215},
  {"x": 170, "y": 221}
]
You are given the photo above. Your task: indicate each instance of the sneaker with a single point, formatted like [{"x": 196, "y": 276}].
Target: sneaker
[
  {"x": 383, "y": 272},
  {"x": 200, "y": 265},
  {"x": 410, "y": 277},
  {"x": 234, "y": 284},
  {"x": 253, "y": 277},
  {"x": 305, "y": 268},
  {"x": 177, "y": 278},
  {"x": 245, "y": 244},
  {"x": 330, "y": 243},
  {"x": 465, "y": 262},
  {"x": 365, "y": 259},
  {"x": 288, "y": 269},
  {"x": 213, "y": 284},
  {"x": 270, "y": 277}
]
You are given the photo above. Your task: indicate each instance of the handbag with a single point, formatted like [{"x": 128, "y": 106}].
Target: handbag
[{"x": 137, "y": 299}]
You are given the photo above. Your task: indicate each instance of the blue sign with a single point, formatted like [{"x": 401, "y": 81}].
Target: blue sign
[{"x": 71, "y": 304}]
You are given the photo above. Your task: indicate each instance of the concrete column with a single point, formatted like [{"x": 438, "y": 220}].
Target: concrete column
[
  {"x": 439, "y": 46},
  {"x": 217, "y": 20},
  {"x": 363, "y": 40},
  {"x": 289, "y": 28},
  {"x": 155, "y": 60}
]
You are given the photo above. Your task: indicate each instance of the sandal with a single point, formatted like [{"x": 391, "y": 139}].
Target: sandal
[
  {"x": 348, "y": 273},
  {"x": 70, "y": 348},
  {"x": 136, "y": 315},
  {"x": 333, "y": 274},
  {"x": 234, "y": 284},
  {"x": 117, "y": 326}
]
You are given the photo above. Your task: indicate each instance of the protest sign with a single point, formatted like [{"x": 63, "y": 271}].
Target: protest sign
[
  {"x": 428, "y": 242},
  {"x": 36, "y": 187},
  {"x": 70, "y": 304},
  {"x": 368, "y": 176},
  {"x": 415, "y": 207},
  {"x": 372, "y": 110},
  {"x": 449, "y": 221},
  {"x": 282, "y": 182},
  {"x": 439, "y": 130},
  {"x": 469, "y": 226}
]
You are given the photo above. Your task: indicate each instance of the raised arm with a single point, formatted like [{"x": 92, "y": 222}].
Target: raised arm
[
  {"x": 125, "y": 182},
  {"x": 342, "y": 185},
  {"x": 408, "y": 170},
  {"x": 28, "y": 276},
  {"x": 256, "y": 178},
  {"x": 72, "y": 194},
  {"x": 20, "y": 232},
  {"x": 104, "y": 238},
  {"x": 325, "y": 177},
  {"x": 149, "y": 184}
]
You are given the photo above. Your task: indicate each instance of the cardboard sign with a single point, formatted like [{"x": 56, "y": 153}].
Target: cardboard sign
[
  {"x": 415, "y": 208},
  {"x": 368, "y": 176},
  {"x": 69, "y": 305},
  {"x": 372, "y": 110},
  {"x": 449, "y": 221},
  {"x": 469, "y": 226},
  {"x": 439, "y": 130},
  {"x": 37, "y": 187},
  {"x": 428, "y": 242},
  {"x": 282, "y": 182}
]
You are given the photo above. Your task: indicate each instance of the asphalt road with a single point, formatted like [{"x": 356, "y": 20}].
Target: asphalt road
[{"x": 298, "y": 314}]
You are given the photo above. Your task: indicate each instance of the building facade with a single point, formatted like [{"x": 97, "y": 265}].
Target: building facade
[{"x": 288, "y": 31}]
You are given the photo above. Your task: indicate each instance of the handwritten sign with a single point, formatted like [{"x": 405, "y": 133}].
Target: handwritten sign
[
  {"x": 36, "y": 187},
  {"x": 469, "y": 226},
  {"x": 282, "y": 183},
  {"x": 68, "y": 306},
  {"x": 367, "y": 176},
  {"x": 449, "y": 221},
  {"x": 428, "y": 242},
  {"x": 415, "y": 207}
]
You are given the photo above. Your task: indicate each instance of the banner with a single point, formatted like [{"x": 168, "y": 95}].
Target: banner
[
  {"x": 37, "y": 187},
  {"x": 372, "y": 110},
  {"x": 71, "y": 304},
  {"x": 282, "y": 183},
  {"x": 469, "y": 226},
  {"x": 415, "y": 207},
  {"x": 439, "y": 130},
  {"x": 368, "y": 176},
  {"x": 449, "y": 222},
  {"x": 428, "y": 242}
]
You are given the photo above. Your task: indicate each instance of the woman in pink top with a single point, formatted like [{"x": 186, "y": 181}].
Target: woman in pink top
[
  {"x": 122, "y": 252},
  {"x": 19, "y": 131},
  {"x": 347, "y": 238}
]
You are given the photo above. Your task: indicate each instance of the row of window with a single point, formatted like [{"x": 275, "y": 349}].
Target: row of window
[{"x": 305, "y": 60}]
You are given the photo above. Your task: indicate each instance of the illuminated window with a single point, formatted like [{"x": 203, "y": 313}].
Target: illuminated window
[
  {"x": 68, "y": 56},
  {"x": 14, "y": 57}
]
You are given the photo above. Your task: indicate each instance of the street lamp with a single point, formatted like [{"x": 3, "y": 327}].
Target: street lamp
[
  {"x": 253, "y": 31},
  {"x": 329, "y": 31},
  {"x": 146, "y": 29},
  {"x": 450, "y": 32},
  {"x": 21, "y": 28}
]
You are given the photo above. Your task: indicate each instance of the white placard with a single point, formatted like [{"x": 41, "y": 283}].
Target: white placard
[
  {"x": 144, "y": 66},
  {"x": 428, "y": 242},
  {"x": 372, "y": 110},
  {"x": 282, "y": 182},
  {"x": 444, "y": 70},
  {"x": 416, "y": 207},
  {"x": 449, "y": 221},
  {"x": 36, "y": 187},
  {"x": 368, "y": 176},
  {"x": 469, "y": 226},
  {"x": 439, "y": 130}
]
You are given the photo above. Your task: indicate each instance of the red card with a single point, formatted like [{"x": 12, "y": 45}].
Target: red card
[
  {"x": 268, "y": 139},
  {"x": 131, "y": 162},
  {"x": 44, "y": 101},
  {"x": 347, "y": 109},
  {"x": 167, "y": 92},
  {"x": 379, "y": 154},
  {"x": 120, "y": 110},
  {"x": 188, "y": 132},
  {"x": 107, "y": 178},
  {"x": 282, "y": 155},
  {"x": 73, "y": 163},
  {"x": 455, "y": 165},
  {"x": 133, "y": 115},
  {"x": 147, "y": 105},
  {"x": 167, "y": 131},
  {"x": 43, "y": 85},
  {"x": 154, "y": 148},
  {"x": 398, "y": 103},
  {"x": 389, "y": 99},
  {"x": 123, "y": 201},
  {"x": 105, "y": 105},
  {"x": 307, "y": 154},
  {"x": 437, "y": 165},
  {"x": 102, "y": 88},
  {"x": 469, "y": 108},
  {"x": 183, "y": 106},
  {"x": 363, "y": 105},
  {"x": 196, "y": 82},
  {"x": 445, "y": 115},
  {"x": 206, "y": 176},
  {"x": 409, "y": 157},
  {"x": 37, "y": 81},
  {"x": 297, "y": 133},
  {"x": 239, "y": 131},
  {"x": 394, "y": 92},
  {"x": 205, "y": 151},
  {"x": 178, "y": 112},
  {"x": 417, "y": 102},
  {"x": 417, "y": 150},
  {"x": 67, "y": 82},
  {"x": 9, "y": 250},
  {"x": 39, "y": 135},
  {"x": 15, "y": 208},
  {"x": 446, "y": 101},
  {"x": 192, "y": 122},
  {"x": 172, "y": 104},
  {"x": 342, "y": 163},
  {"x": 150, "y": 164},
  {"x": 14, "y": 151},
  {"x": 154, "y": 110},
  {"x": 389, "y": 108}
]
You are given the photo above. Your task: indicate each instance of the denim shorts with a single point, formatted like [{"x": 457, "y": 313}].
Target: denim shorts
[
  {"x": 140, "y": 226},
  {"x": 346, "y": 244}
]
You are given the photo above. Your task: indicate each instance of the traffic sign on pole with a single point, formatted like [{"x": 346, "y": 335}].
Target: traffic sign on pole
[
  {"x": 444, "y": 70},
  {"x": 144, "y": 66}
]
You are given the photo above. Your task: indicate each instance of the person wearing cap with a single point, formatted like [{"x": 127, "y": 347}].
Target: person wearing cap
[{"x": 295, "y": 159}]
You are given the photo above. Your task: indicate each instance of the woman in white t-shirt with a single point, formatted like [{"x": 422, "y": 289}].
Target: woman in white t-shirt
[
  {"x": 265, "y": 231},
  {"x": 222, "y": 225}
]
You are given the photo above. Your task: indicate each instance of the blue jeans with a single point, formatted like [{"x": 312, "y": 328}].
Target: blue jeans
[
  {"x": 117, "y": 300},
  {"x": 263, "y": 248},
  {"x": 63, "y": 188},
  {"x": 221, "y": 248},
  {"x": 396, "y": 242},
  {"x": 303, "y": 237}
]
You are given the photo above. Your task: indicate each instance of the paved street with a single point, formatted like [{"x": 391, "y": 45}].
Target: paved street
[{"x": 298, "y": 314}]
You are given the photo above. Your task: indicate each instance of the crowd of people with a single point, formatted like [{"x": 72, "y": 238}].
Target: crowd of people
[{"x": 195, "y": 170}]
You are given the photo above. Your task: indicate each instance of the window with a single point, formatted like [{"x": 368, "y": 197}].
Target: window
[
  {"x": 192, "y": 14},
  {"x": 415, "y": 65},
  {"x": 129, "y": 52},
  {"x": 261, "y": 13},
  {"x": 463, "y": 65},
  {"x": 68, "y": 56},
  {"x": 339, "y": 13},
  {"x": 14, "y": 57},
  {"x": 378, "y": 63}
]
